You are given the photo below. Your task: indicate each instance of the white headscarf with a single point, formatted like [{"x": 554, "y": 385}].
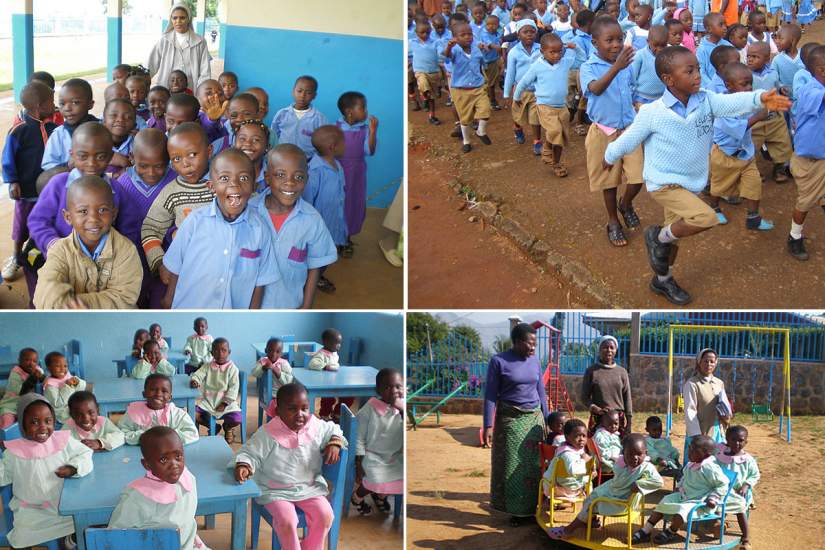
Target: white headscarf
[
  {"x": 525, "y": 23},
  {"x": 607, "y": 338},
  {"x": 179, "y": 6}
]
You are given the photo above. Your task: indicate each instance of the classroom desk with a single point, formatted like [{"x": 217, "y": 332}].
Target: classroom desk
[
  {"x": 90, "y": 500},
  {"x": 346, "y": 382},
  {"x": 115, "y": 394},
  {"x": 294, "y": 350}
]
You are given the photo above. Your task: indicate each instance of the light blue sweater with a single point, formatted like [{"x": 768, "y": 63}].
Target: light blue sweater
[
  {"x": 648, "y": 85},
  {"x": 676, "y": 147}
]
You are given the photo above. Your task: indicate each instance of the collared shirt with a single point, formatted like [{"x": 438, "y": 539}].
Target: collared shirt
[
  {"x": 733, "y": 137},
  {"x": 518, "y": 61},
  {"x": 325, "y": 192},
  {"x": 298, "y": 131},
  {"x": 466, "y": 67},
  {"x": 549, "y": 81},
  {"x": 59, "y": 144},
  {"x": 703, "y": 52},
  {"x": 810, "y": 121},
  {"x": 648, "y": 85},
  {"x": 490, "y": 55},
  {"x": 98, "y": 249},
  {"x": 636, "y": 37},
  {"x": 424, "y": 54},
  {"x": 799, "y": 80},
  {"x": 787, "y": 67},
  {"x": 584, "y": 40},
  {"x": 766, "y": 79},
  {"x": 503, "y": 16},
  {"x": 220, "y": 263},
  {"x": 614, "y": 107}
]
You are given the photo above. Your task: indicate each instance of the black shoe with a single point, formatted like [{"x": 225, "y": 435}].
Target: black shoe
[
  {"x": 456, "y": 133},
  {"x": 485, "y": 139},
  {"x": 657, "y": 252},
  {"x": 640, "y": 537},
  {"x": 466, "y": 148},
  {"x": 797, "y": 248},
  {"x": 666, "y": 536},
  {"x": 434, "y": 121},
  {"x": 671, "y": 290},
  {"x": 733, "y": 200}
]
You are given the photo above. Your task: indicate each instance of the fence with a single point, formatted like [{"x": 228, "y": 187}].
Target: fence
[{"x": 580, "y": 334}]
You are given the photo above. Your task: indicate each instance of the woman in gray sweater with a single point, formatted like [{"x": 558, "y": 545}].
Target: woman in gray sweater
[{"x": 180, "y": 48}]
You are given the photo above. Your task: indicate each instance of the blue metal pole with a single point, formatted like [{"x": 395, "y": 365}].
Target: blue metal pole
[{"x": 114, "y": 32}]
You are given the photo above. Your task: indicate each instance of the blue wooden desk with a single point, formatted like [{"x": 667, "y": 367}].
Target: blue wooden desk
[
  {"x": 346, "y": 382},
  {"x": 293, "y": 352},
  {"x": 92, "y": 499},
  {"x": 115, "y": 394}
]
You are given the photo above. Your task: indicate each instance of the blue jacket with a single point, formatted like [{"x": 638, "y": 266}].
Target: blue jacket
[{"x": 23, "y": 152}]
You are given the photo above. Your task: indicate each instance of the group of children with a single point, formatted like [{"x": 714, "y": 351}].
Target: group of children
[
  {"x": 636, "y": 463},
  {"x": 100, "y": 205},
  {"x": 677, "y": 101},
  {"x": 284, "y": 456}
]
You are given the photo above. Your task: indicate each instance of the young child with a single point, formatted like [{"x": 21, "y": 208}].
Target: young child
[
  {"x": 178, "y": 83},
  {"x": 327, "y": 358},
  {"x": 803, "y": 76},
  {"x": 300, "y": 237},
  {"x": 772, "y": 131},
  {"x": 138, "y": 90},
  {"x": 296, "y": 123},
  {"x": 519, "y": 59},
  {"x": 737, "y": 35},
  {"x": 158, "y": 98},
  {"x": 425, "y": 65},
  {"x": 179, "y": 109},
  {"x": 140, "y": 337},
  {"x": 648, "y": 87},
  {"x": 189, "y": 154},
  {"x": 379, "y": 449},
  {"x": 213, "y": 106},
  {"x": 637, "y": 35},
  {"x": 219, "y": 383},
  {"x": 633, "y": 473},
  {"x": 675, "y": 32},
  {"x": 156, "y": 334},
  {"x": 36, "y": 465},
  {"x": 152, "y": 362},
  {"x": 806, "y": 13},
  {"x": 808, "y": 160},
  {"x": 121, "y": 72},
  {"x": 198, "y": 347},
  {"x": 222, "y": 255},
  {"x": 360, "y": 136},
  {"x": 22, "y": 378},
  {"x": 87, "y": 426},
  {"x": 606, "y": 79},
  {"x": 467, "y": 84},
  {"x": 572, "y": 453},
  {"x": 95, "y": 266},
  {"x": 280, "y": 367},
  {"x": 548, "y": 79},
  {"x": 229, "y": 84},
  {"x": 252, "y": 138},
  {"x": 168, "y": 491},
  {"x": 284, "y": 458},
  {"x": 608, "y": 441},
  {"x": 562, "y": 25},
  {"x": 116, "y": 90},
  {"x": 477, "y": 18},
  {"x": 242, "y": 107},
  {"x": 263, "y": 102},
  {"x": 702, "y": 482},
  {"x": 759, "y": 30},
  {"x": 721, "y": 58},
  {"x": 688, "y": 38},
  {"x": 716, "y": 27},
  {"x": 665, "y": 127},
  {"x": 74, "y": 101},
  {"x": 661, "y": 451},
  {"x": 576, "y": 101},
  {"x": 788, "y": 61},
  {"x": 119, "y": 119},
  {"x": 22, "y": 156},
  {"x": 489, "y": 42},
  {"x": 555, "y": 423},
  {"x": 732, "y": 456},
  {"x": 157, "y": 410},
  {"x": 59, "y": 386},
  {"x": 733, "y": 170}
]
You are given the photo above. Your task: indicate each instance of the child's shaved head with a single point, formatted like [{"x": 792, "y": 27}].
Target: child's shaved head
[
  {"x": 657, "y": 34},
  {"x": 115, "y": 90},
  {"x": 190, "y": 128},
  {"x": 33, "y": 94},
  {"x": 92, "y": 130},
  {"x": 326, "y": 137},
  {"x": 284, "y": 150},
  {"x": 761, "y": 48},
  {"x": 149, "y": 139},
  {"x": 86, "y": 184}
]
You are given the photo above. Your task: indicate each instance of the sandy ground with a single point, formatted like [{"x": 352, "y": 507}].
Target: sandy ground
[{"x": 448, "y": 499}]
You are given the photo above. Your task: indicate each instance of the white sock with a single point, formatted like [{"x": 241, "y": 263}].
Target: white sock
[
  {"x": 465, "y": 133},
  {"x": 647, "y": 527},
  {"x": 666, "y": 235},
  {"x": 663, "y": 278},
  {"x": 482, "y": 128},
  {"x": 796, "y": 230}
]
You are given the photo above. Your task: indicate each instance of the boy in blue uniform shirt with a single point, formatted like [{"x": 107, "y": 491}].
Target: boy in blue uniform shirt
[
  {"x": 490, "y": 44},
  {"x": 788, "y": 61},
  {"x": 74, "y": 101},
  {"x": 222, "y": 255},
  {"x": 501, "y": 11},
  {"x": 648, "y": 85},
  {"x": 425, "y": 65},
  {"x": 241, "y": 107},
  {"x": 519, "y": 58},
  {"x": 721, "y": 58},
  {"x": 300, "y": 238},
  {"x": 808, "y": 161},
  {"x": 636, "y": 35},
  {"x": 716, "y": 28},
  {"x": 296, "y": 123},
  {"x": 676, "y": 156}
]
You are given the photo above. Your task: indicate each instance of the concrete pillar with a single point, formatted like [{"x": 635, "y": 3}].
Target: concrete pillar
[
  {"x": 22, "y": 33},
  {"x": 223, "y": 15},
  {"x": 200, "y": 18},
  {"x": 163, "y": 7},
  {"x": 114, "y": 33}
]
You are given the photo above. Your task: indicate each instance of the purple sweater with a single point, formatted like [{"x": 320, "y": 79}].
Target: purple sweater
[
  {"x": 515, "y": 380},
  {"x": 160, "y": 124},
  {"x": 214, "y": 130},
  {"x": 135, "y": 200}
]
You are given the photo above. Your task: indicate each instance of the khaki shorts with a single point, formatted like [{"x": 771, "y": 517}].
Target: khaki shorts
[
  {"x": 774, "y": 132},
  {"x": 471, "y": 104},
  {"x": 492, "y": 73},
  {"x": 574, "y": 88},
  {"x": 555, "y": 123},
  {"x": 771, "y": 19},
  {"x": 524, "y": 111},
  {"x": 681, "y": 204},
  {"x": 732, "y": 176},
  {"x": 428, "y": 82},
  {"x": 600, "y": 179},
  {"x": 809, "y": 175}
]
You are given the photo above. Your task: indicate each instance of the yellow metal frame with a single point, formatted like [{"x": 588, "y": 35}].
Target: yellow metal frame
[
  {"x": 634, "y": 507},
  {"x": 559, "y": 470},
  {"x": 785, "y": 410}
]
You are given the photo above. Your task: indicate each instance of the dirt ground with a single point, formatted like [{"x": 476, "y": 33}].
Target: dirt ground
[
  {"x": 448, "y": 500},
  {"x": 571, "y": 220}
]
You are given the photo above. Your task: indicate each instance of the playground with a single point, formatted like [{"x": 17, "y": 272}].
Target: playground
[{"x": 766, "y": 363}]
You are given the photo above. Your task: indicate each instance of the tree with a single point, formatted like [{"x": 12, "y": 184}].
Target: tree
[
  {"x": 470, "y": 335},
  {"x": 502, "y": 343},
  {"x": 418, "y": 324},
  {"x": 126, "y": 8}
]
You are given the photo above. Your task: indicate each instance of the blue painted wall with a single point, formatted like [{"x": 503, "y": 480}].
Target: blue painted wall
[
  {"x": 107, "y": 336},
  {"x": 22, "y": 31},
  {"x": 274, "y": 58}
]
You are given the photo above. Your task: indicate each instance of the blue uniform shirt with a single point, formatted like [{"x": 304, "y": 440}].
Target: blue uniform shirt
[
  {"x": 503, "y": 16},
  {"x": 549, "y": 81},
  {"x": 787, "y": 67},
  {"x": 57, "y": 148},
  {"x": 298, "y": 131},
  {"x": 98, "y": 249},
  {"x": 466, "y": 67},
  {"x": 424, "y": 55},
  {"x": 584, "y": 40},
  {"x": 303, "y": 243},
  {"x": 637, "y": 37},
  {"x": 614, "y": 107},
  {"x": 733, "y": 136},
  {"x": 766, "y": 79},
  {"x": 325, "y": 192},
  {"x": 490, "y": 55},
  {"x": 219, "y": 263},
  {"x": 703, "y": 52},
  {"x": 518, "y": 61},
  {"x": 477, "y": 28},
  {"x": 717, "y": 85},
  {"x": 810, "y": 121},
  {"x": 649, "y": 86},
  {"x": 545, "y": 19},
  {"x": 800, "y": 79}
]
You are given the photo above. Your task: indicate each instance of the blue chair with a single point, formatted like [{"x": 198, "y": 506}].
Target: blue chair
[
  {"x": 334, "y": 474},
  {"x": 718, "y": 513},
  {"x": 73, "y": 350},
  {"x": 10, "y": 432},
  {"x": 354, "y": 351},
  {"x": 7, "y": 519},
  {"x": 263, "y": 387},
  {"x": 212, "y": 428},
  {"x": 132, "y": 539}
]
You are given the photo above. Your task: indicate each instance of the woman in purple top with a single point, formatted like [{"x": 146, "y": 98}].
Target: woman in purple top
[{"x": 515, "y": 395}]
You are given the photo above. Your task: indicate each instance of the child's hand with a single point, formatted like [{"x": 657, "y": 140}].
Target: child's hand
[
  {"x": 242, "y": 472},
  {"x": 710, "y": 502},
  {"x": 73, "y": 381},
  {"x": 332, "y": 368},
  {"x": 625, "y": 57},
  {"x": 187, "y": 353},
  {"x": 221, "y": 407},
  {"x": 373, "y": 124},
  {"x": 331, "y": 454},
  {"x": 775, "y": 102},
  {"x": 93, "y": 444},
  {"x": 452, "y": 42},
  {"x": 483, "y": 47},
  {"x": 65, "y": 471},
  {"x": 743, "y": 490},
  {"x": 75, "y": 303},
  {"x": 120, "y": 160},
  {"x": 193, "y": 384},
  {"x": 14, "y": 191},
  {"x": 570, "y": 46},
  {"x": 213, "y": 107},
  {"x": 164, "y": 274},
  {"x": 276, "y": 369}
]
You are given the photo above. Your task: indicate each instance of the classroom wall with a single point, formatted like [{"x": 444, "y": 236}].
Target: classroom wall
[
  {"x": 107, "y": 336},
  {"x": 353, "y": 45}
]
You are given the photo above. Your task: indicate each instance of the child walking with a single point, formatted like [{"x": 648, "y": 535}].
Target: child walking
[
  {"x": 157, "y": 410},
  {"x": 22, "y": 379},
  {"x": 519, "y": 59},
  {"x": 425, "y": 58},
  {"x": 89, "y": 427},
  {"x": 284, "y": 458},
  {"x": 280, "y": 367},
  {"x": 219, "y": 383},
  {"x": 152, "y": 362},
  {"x": 59, "y": 386},
  {"x": 198, "y": 346}
]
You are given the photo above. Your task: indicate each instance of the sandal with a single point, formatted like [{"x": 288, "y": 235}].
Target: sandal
[
  {"x": 348, "y": 249},
  {"x": 560, "y": 170},
  {"x": 325, "y": 285},
  {"x": 363, "y": 508},
  {"x": 580, "y": 129},
  {"x": 381, "y": 502},
  {"x": 556, "y": 533},
  {"x": 631, "y": 219},
  {"x": 615, "y": 235}
]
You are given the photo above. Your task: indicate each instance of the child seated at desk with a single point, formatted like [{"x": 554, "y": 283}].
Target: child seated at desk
[
  {"x": 30, "y": 464},
  {"x": 166, "y": 496},
  {"x": 87, "y": 426},
  {"x": 60, "y": 385},
  {"x": 25, "y": 374},
  {"x": 152, "y": 362},
  {"x": 379, "y": 449},
  {"x": 284, "y": 458},
  {"x": 280, "y": 367},
  {"x": 141, "y": 335},
  {"x": 220, "y": 384},
  {"x": 156, "y": 334},
  {"x": 157, "y": 410},
  {"x": 198, "y": 346},
  {"x": 326, "y": 358}
]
